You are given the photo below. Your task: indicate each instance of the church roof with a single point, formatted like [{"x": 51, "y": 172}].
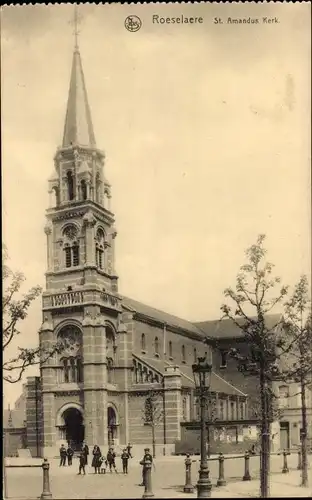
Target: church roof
[
  {"x": 162, "y": 317},
  {"x": 226, "y": 329},
  {"x": 78, "y": 128},
  {"x": 218, "y": 384}
]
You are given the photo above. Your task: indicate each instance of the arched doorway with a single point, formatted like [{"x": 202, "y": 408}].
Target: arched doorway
[
  {"x": 111, "y": 426},
  {"x": 74, "y": 428}
]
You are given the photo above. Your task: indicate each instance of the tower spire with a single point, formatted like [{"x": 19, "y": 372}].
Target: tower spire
[{"x": 78, "y": 128}]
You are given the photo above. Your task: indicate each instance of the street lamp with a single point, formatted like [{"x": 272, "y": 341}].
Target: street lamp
[{"x": 202, "y": 378}]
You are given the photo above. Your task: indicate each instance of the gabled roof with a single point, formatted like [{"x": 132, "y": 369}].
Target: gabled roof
[
  {"x": 78, "y": 129},
  {"x": 218, "y": 384},
  {"x": 161, "y": 316},
  {"x": 226, "y": 329}
]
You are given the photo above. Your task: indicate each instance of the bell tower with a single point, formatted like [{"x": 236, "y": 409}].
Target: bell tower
[{"x": 81, "y": 303}]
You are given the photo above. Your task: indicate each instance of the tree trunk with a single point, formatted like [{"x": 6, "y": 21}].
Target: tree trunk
[
  {"x": 265, "y": 435},
  {"x": 304, "y": 437}
]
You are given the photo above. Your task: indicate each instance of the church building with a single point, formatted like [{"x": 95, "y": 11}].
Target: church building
[{"x": 118, "y": 350}]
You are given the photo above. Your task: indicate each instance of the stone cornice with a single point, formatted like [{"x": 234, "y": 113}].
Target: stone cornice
[{"x": 79, "y": 209}]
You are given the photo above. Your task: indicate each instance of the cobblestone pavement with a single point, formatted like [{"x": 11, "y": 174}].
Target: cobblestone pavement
[{"x": 167, "y": 478}]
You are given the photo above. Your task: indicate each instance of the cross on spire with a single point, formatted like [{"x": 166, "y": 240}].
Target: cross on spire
[{"x": 76, "y": 22}]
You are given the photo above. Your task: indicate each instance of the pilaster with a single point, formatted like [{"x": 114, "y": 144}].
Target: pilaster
[{"x": 172, "y": 391}]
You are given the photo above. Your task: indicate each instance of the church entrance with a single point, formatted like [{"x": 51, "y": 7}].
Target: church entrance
[{"x": 74, "y": 428}]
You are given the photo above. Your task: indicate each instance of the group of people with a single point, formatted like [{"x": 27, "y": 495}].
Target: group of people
[{"x": 100, "y": 462}]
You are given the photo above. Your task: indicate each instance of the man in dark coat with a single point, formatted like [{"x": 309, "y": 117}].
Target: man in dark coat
[
  {"x": 70, "y": 453},
  {"x": 63, "y": 455},
  {"x": 147, "y": 456},
  {"x": 85, "y": 451}
]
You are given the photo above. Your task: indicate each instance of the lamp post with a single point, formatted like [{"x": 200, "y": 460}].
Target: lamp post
[{"x": 202, "y": 378}]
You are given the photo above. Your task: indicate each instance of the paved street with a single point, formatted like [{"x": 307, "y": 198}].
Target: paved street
[{"x": 168, "y": 480}]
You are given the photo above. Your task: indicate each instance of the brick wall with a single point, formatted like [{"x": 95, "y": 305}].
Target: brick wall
[{"x": 177, "y": 340}]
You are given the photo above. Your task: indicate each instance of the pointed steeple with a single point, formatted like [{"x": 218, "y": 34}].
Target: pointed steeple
[{"x": 78, "y": 128}]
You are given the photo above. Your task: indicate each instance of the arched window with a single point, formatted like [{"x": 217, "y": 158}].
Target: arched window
[
  {"x": 99, "y": 248},
  {"x": 70, "y": 185},
  {"x": 170, "y": 349},
  {"x": 195, "y": 355},
  {"x": 110, "y": 370},
  {"x": 143, "y": 342},
  {"x": 70, "y": 354},
  {"x": 183, "y": 353},
  {"x": 156, "y": 345},
  {"x": 71, "y": 247},
  {"x": 83, "y": 188}
]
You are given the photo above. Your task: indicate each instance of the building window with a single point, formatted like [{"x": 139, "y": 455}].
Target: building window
[
  {"x": 75, "y": 250},
  {"x": 222, "y": 412},
  {"x": 67, "y": 251},
  {"x": 71, "y": 247},
  {"x": 70, "y": 185},
  {"x": 183, "y": 354},
  {"x": 242, "y": 413},
  {"x": 170, "y": 349},
  {"x": 156, "y": 346},
  {"x": 232, "y": 405},
  {"x": 99, "y": 248},
  {"x": 83, "y": 187},
  {"x": 72, "y": 370},
  {"x": 143, "y": 343},
  {"x": 195, "y": 355},
  {"x": 223, "y": 360},
  {"x": 197, "y": 409},
  {"x": 283, "y": 396},
  {"x": 184, "y": 409}
]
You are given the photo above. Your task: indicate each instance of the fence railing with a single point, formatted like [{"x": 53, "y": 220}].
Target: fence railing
[{"x": 45, "y": 466}]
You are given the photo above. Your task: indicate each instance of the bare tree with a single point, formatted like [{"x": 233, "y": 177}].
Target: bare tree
[
  {"x": 296, "y": 346},
  {"x": 255, "y": 296},
  {"x": 153, "y": 413},
  {"x": 15, "y": 307}
]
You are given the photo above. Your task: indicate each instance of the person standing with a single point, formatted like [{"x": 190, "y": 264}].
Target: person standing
[
  {"x": 147, "y": 456},
  {"x": 124, "y": 459},
  {"x": 82, "y": 463},
  {"x": 111, "y": 460},
  {"x": 70, "y": 453},
  {"x": 85, "y": 450},
  {"x": 129, "y": 447},
  {"x": 96, "y": 460},
  {"x": 63, "y": 455}
]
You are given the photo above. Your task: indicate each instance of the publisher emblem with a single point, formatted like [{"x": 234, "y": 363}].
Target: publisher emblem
[{"x": 133, "y": 23}]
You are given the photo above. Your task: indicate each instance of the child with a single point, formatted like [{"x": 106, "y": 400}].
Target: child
[
  {"x": 103, "y": 464},
  {"x": 82, "y": 463},
  {"x": 124, "y": 458},
  {"x": 111, "y": 456}
]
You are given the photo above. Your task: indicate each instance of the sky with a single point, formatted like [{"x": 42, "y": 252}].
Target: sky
[{"x": 206, "y": 130}]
